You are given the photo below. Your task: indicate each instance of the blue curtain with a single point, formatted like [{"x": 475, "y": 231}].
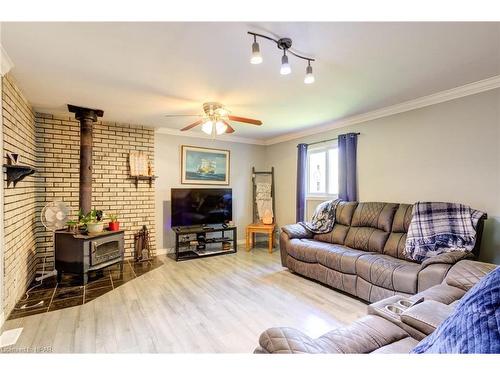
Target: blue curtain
[
  {"x": 301, "y": 181},
  {"x": 347, "y": 166}
]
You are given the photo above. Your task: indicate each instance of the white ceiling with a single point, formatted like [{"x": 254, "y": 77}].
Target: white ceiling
[{"x": 138, "y": 72}]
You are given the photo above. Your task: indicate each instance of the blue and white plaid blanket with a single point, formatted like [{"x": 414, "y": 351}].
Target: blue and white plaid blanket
[{"x": 437, "y": 228}]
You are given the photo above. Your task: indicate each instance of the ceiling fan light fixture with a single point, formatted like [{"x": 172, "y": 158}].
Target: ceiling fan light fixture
[
  {"x": 256, "y": 56},
  {"x": 285, "y": 66},
  {"x": 207, "y": 127},
  {"x": 309, "y": 78},
  {"x": 220, "y": 127}
]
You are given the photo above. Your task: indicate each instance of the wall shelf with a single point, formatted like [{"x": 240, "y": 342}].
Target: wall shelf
[
  {"x": 143, "y": 178},
  {"x": 16, "y": 173}
]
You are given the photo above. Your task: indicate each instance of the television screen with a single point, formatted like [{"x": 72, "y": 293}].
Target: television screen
[{"x": 201, "y": 206}]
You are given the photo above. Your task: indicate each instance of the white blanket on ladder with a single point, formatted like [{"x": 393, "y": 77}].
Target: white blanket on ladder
[{"x": 263, "y": 198}]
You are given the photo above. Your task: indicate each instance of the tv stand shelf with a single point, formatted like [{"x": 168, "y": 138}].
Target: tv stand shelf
[{"x": 200, "y": 242}]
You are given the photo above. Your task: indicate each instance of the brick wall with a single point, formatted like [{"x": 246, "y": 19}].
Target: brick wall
[
  {"x": 51, "y": 144},
  {"x": 112, "y": 189},
  {"x": 19, "y": 205}
]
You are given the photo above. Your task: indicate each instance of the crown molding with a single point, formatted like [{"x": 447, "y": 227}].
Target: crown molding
[
  {"x": 6, "y": 63},
  {"x": 424, "y": 101},
  {"x": 222, "y": 137}
]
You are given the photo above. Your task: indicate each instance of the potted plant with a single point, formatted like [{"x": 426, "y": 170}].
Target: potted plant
[
  {"x": 92, "y": 221},
  {"x": 72, "y": 225},
  {"x": 114, "y": 224}
]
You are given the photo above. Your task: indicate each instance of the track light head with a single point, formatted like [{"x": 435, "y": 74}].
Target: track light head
[
  {"x": 256, "y": 56},
  {"x": 285, "y": 66},
  {"x": 309, "y": 78}
]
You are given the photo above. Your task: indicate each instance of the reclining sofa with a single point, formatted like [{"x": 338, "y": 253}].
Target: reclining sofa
[
  {"x": 363, "y": 254},
  {"x": 392, "y": 324}
]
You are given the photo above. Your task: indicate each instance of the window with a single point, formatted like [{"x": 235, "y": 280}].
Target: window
[{"x": 323, "y": 172}]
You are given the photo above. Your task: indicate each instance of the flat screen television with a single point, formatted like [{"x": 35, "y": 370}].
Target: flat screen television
[{"x": 193, "y": 207}]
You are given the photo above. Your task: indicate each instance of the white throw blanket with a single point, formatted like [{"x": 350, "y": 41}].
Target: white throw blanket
[{"x": 263, "y": 199}]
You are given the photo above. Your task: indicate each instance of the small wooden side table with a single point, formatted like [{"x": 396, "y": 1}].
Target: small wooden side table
[{"x": 252, "y": 229}]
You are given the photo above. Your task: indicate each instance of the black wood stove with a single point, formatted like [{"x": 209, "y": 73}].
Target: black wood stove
[{"x": 81, "y": 253}]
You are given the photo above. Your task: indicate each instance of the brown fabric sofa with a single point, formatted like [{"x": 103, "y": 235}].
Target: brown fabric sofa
[
  {"x": 380, "y": 331},
  {"x": 363, "y": 254}
]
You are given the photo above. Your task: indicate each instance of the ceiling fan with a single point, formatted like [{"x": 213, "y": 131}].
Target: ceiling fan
[{"x": 215, "y": 120}]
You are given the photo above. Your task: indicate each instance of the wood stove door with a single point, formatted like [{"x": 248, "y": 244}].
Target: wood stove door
[{"x": 105, "y": 249}]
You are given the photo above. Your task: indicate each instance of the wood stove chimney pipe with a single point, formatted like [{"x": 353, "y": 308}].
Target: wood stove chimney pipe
[{"x": 87, "y": 117}]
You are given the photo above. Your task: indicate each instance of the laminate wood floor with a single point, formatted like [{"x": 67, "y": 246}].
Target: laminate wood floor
[{"x": 211, "y": 305}]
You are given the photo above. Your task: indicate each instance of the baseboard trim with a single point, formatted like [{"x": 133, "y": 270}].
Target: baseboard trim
[{"x": 162, "y": 251}]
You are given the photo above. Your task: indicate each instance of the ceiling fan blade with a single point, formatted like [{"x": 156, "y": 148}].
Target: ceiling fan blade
[
  {"x": 190, "y": 126},
  {"x": 244, "y": 119},
  {"x": 183, "y": 115},
  {"x": 229, "y": 129}
]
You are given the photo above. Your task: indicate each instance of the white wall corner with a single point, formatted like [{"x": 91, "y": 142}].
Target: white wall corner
[{"x": 6, "y": 63}]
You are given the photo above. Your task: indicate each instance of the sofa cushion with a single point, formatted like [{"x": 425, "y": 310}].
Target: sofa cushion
[
  {"x": 402, "y": 218},
  {"x": 366, "y": 239},
  {"x": 441, "y": 293},
  {"x": 339, "y": 258},
  {"x": 336, "y": 236},
  {"x": 377, "y": 215},
  {"x": 304, "y": 249},
  {"x": 388, "y": 272},
  {"x": 395, "y": 244},
  {"x": 363, "y": 336},
  {"x": 344, "y": 212}
]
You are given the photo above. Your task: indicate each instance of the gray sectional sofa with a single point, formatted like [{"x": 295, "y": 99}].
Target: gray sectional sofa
[
  {"x": 363, "y": 254},
  {"x": 383, "y": 330}
]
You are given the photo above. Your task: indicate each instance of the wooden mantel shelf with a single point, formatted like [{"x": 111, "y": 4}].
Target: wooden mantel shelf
[{"x": 145, "y": 178}]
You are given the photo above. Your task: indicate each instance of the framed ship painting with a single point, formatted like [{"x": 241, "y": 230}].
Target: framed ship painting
[{"x": 204, "y": 166}]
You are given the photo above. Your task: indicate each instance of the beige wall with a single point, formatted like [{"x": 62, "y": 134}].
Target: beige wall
[
  {"x": 167, "y": 163},
  {"x": 445, "y": 152}
]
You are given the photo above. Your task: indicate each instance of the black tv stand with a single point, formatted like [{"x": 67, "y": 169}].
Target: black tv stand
[{"x": 200, "y": 242}]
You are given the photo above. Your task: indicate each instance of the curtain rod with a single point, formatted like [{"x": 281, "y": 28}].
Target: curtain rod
[{"x": 326, "y": 140}]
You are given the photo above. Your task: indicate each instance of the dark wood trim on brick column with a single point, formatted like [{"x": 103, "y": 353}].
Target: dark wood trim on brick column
[{"x": 87, "y": 117}]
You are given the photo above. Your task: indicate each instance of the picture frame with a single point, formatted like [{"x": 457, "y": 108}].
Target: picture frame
[{"x": 205, "y": 166}]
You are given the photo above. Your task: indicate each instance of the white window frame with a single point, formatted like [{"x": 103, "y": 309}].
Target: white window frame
[{"x": 319, "y": 196}]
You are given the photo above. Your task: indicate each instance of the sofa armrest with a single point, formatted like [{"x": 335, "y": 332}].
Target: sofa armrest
[
  {"x": 466, "y": 273},
  {"x": 426, "y": 316},
  {"x": 447, "y": 258},
  {"x": 283, "y": 340},
  {"x": 297, "y": 231},
  {"x": 434, "y": 270}
]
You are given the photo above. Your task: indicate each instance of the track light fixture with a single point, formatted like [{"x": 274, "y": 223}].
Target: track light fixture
[{"x": 284, "y": 44}]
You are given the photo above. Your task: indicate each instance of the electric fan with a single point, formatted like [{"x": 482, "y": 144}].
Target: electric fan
[{"x": 54, "y": 216}]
